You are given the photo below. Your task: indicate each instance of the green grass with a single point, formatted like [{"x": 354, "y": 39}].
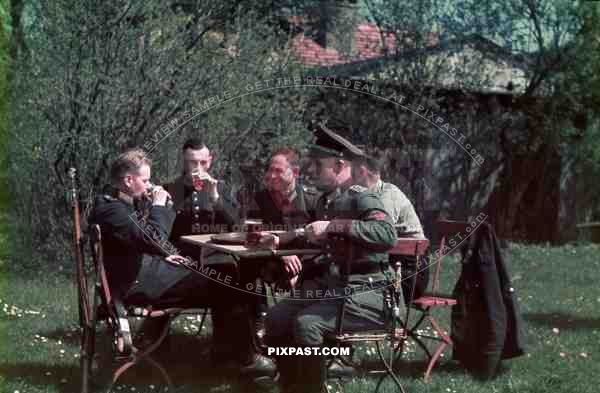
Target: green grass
[{"x": 558, "y": 293}]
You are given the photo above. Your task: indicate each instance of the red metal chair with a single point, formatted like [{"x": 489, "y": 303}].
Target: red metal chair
[
  {"x": 394, "y": 331},
  {"x": 433, "y": 300}
]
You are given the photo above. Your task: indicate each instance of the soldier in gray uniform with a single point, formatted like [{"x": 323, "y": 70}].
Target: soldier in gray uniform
[
  {"x": 414, "y": 272},
  {"x": 356, "y": 229}
]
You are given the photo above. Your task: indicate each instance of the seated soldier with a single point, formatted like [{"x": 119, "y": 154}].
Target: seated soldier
[
  {"x": 139, "y": 267},
  {"x": 204, "y": 205},
  {"x": 368, "y": 174},
  {"x": 284, "y": 204},
  {"x": 354, "y": 222}
]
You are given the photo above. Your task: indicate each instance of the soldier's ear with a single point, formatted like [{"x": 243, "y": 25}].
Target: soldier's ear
[{"x": 127, "y": 180}]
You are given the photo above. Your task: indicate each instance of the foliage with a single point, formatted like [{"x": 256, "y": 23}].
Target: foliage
[{"x": 103, "y": 76}]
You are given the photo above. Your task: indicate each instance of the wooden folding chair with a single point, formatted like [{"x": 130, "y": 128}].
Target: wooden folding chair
[
  {"x": 433, "y": 300},
  {"x": 393, "y": 331},
  {"x": 111, "y": 309},
  {"x": 107, "y": 307}
]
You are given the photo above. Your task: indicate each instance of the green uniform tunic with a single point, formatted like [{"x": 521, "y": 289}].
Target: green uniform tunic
[{"x": 357, "y": 275}]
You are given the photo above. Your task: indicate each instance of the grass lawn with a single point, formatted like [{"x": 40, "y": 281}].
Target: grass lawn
[{"x": 557, "y": 287}]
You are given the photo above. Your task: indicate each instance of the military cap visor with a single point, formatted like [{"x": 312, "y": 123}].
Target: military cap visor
[{"x": 329, "y": 144}]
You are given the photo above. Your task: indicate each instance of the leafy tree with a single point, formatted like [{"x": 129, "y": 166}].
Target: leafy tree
[{"x": 99, "y": 77}]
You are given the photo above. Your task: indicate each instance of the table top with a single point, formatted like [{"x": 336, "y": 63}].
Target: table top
[{"x": 243, "y": 251}]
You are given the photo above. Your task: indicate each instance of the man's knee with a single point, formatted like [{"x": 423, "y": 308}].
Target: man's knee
[
  {"x": 279, "y": 322},
  {"x": 308, "y": 330}
]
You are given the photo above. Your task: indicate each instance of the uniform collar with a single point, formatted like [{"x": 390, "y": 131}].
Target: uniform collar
[
  {"x": 120, "y": 195},
  {"x": 128, "y": 199}
]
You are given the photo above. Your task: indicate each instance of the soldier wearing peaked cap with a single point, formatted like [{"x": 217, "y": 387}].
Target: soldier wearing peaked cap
[{"x": 355, "y": 227}]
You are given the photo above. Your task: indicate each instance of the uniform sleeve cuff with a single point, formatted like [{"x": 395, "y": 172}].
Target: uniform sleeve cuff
[{"x": 340, "y": 226}]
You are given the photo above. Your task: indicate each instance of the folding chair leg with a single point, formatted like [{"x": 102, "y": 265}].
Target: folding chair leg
[
  {"x": 139, "y": 356},
  {"x": 446, "y": 340},
  {"x": 433, "y": 360},
  {"x": 88, "y": 347},
  {"x": 85, "y": 362},
  {"x": 388, "y": 368}
]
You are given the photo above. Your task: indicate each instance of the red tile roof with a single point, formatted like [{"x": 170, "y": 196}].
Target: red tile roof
[{"x": 367, "y": 45}]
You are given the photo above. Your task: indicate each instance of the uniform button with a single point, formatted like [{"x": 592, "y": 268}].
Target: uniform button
[
  {"x": 325, "y": 216},
  {"x": 196, "y": 216},
  {"x": 195, "y": 199},
  {"x": 196, "y": 207}
]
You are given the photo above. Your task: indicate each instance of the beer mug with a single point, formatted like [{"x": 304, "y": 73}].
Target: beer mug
[
  {"x": 199, "y": 180},
  {"x": 150, "y": 190}
]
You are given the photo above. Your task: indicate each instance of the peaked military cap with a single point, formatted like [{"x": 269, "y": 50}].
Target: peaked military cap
[{"x": 327, "y": 143}]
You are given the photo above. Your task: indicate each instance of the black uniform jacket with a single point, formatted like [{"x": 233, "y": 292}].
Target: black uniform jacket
[
  {"x": 302, "y": 211},
  {"x": 134, "y": 244},
  {"x": 486, "y": 323},
  {"x": 196, "y": 214}
]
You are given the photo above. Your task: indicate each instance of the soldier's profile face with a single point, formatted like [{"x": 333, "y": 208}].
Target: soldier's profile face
[
  {"x": 323, "y": 173},
  {"x": 197, "y": 160},
  {"x": 280, "y": 175},
  {"x": 137, "y": 183}
]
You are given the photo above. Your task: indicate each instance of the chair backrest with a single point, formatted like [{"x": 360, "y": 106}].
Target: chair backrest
[
  {"x": 447, "y": 229},
  {"x": 98, "y": 259},
  {"x": 410, "y": 247}
]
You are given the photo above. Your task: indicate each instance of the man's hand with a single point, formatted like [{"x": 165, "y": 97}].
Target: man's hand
[
  {"x": 211, "y": 186},
  {"x": 176, "y": 259},
  {"x": 292, "y": 265},
  {"x": 159, "y": 196},
  {"x": 316, "y": 231}
]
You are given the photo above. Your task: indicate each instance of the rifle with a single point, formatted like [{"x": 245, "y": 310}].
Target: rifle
[{"x": 81, "y": 282}]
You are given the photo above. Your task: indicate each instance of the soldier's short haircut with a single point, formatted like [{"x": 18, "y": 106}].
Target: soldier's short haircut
[
  {"x": 292, "y": 155},
  {"x": 193, "y": 143},
  {"x": 129, "y": 161}
]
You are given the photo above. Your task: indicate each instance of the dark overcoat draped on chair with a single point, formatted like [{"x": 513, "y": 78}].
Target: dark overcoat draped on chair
[{"x": 486, "y": 323}]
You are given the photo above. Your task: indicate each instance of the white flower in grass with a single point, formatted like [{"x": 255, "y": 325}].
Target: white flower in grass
[
  {"x": 48, "y": 373},
  {"x": 152, "y": 387},
  {"x": 583, "y": 355},
  {"x": 62, "y": 351},
  {"x": 555, "y": 330}
]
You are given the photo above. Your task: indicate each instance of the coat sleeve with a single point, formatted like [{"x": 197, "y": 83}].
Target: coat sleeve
[{"x": 146, "y": 235}]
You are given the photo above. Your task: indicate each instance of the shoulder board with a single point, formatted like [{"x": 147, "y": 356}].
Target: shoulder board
[
  {"x": 309, "y": 190},
  {"x": 357, "y": 189},
  {"x": 109, "y": 198}
]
